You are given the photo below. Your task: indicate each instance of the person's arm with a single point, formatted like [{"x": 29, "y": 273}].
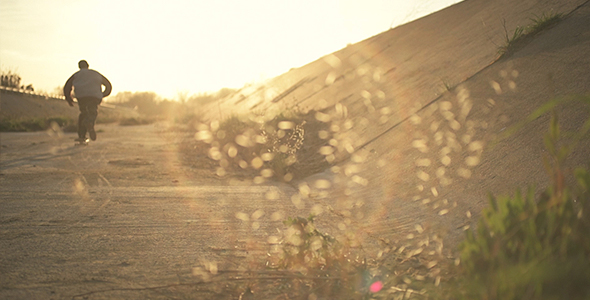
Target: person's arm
[
  {"x": 107, "y": 87},
  {"x": 68, "y": 90}
]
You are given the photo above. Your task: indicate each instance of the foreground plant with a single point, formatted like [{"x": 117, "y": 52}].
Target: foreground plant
[{"x": 526, "y": 247}]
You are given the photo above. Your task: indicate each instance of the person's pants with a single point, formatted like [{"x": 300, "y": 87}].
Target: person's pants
[{"x": 88, "y": 112}]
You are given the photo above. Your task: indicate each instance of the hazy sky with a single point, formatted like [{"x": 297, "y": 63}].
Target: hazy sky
[{"x": 189, "y": 46}]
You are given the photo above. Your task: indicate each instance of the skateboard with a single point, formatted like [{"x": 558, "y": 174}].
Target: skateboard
[{"x": 82, "y": 143}]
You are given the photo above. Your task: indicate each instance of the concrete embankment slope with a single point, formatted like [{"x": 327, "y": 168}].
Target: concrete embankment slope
[
  {"x": 21, "y": 106},
  {"x": 16, "y": 105},
  {"x": 420, "y": 104}
]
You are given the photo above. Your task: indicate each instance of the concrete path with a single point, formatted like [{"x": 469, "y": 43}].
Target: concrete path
[{"x": 122, "y": 214}]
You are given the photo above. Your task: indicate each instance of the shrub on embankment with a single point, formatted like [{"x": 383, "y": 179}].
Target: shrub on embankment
[{"x": 285, "y": 147}]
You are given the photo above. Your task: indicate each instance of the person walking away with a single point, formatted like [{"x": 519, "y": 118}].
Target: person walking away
[{"x": 87, "y": 84}]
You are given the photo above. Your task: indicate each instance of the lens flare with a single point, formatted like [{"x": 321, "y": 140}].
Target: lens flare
[{"x": 376, "y": 286}]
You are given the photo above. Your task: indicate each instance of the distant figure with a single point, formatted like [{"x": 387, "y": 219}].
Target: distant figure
[{"x": 87, "y": 85}]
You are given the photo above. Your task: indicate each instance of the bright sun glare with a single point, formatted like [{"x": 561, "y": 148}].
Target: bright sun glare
[{"x": 185, "y": 46}]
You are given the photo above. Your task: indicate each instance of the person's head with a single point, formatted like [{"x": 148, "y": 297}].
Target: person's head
[{"x": 83, "y": 64}]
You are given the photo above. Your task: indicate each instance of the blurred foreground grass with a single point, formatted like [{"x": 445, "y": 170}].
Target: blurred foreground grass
[{"x": 534, "y": 245}]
